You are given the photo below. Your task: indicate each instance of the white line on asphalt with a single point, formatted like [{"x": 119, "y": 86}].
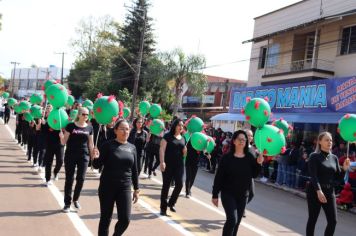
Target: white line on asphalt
[
  {"x": 76, "y": 220},
  {"x": 168, "y": 221},
  {"x": 250, "y": 227}
]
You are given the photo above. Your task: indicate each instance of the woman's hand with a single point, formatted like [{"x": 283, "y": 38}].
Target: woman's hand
[
  {"x": 61, "y": 135},
  {"x": 162, "y": 166},
  {"x": 208, "y": 156},
  {"x": 260, "y": 159},
  {"x": 96, "y": 153},
  {"x": 135, "y": 195},
  {"x": 321, "y": 196},
  {"x": 346, "y": 164},
  {"x": 215, "y": 201}
]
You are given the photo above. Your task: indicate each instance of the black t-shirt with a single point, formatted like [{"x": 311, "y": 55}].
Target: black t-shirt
[
  {"x": 192, "y": 155},
  {"x": 120, "y": 164},
  {"x": 78, "y": 139},
  {"x": 234, "y": 175},
  {"x": 324, "y": 169},
  {"x": 173, "y": 156},
  {"x": 51, "y": 135},
  {"x": 138, "y": 139}
]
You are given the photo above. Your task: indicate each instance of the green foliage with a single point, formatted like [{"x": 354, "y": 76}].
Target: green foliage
[
  {"x": 98, "y": 82},
  {"x": 166, "y": 116}
]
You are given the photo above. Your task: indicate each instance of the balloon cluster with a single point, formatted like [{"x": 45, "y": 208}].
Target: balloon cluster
[
  {"x": 155, "y": 110},
  {"x": 269, "y": 139}
]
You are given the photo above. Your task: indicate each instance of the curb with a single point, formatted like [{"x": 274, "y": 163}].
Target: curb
[{"x": 299, "y": 193}]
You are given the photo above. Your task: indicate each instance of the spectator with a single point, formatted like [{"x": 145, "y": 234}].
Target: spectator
[{"x": 346, "y": 197}]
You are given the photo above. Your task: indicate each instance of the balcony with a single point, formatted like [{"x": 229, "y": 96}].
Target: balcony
[{"x": 301, "y": 70}]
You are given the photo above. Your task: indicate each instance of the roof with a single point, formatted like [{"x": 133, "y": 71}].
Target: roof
[
  {"x": 216, "y": 79},
  {"x": 280, "y": 9},
  {"x": 303, "y": 25}
]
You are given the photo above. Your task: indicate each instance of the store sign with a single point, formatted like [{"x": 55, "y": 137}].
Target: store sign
[
  {"x": 207, "y": 99},
  {"x": 329, "y": 95}
]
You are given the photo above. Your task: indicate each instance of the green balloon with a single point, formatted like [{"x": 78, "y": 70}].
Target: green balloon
[
  {"x": 347, "y": 127},
  {"x": 28, "y": 116},
  {"x": 57, "y": 119},
  {"x": 17, "y": 108},
  {"x": 73, "y": 115},
  {"x": 5, "y": 95},
  {"x": 155, "y": 110},
  {"x": 199, "y": 141},
  {"x": 48, "y": 83},
  {"x": 91, "y": 113},
  {"x": 156, "y": 127},
  {"x": 195, "y": 124},
  {"x": 106, "y": 109},
  {"x": 36, "y": 98},
  {"x": 270, "y": 140},
  {"x": 11, "y": 102},
  {"x": 70, "y": 100},
  {"x": 36, "y": 111},
  {"x": 283, "y": 125},
  {"x": 126, "y": 112},
  {"x": 210, "y": 145},
  {"x": 57, "y": 95},
  {"x": 257, "y": 112},
  {"x": 87, "y": 103},
  {"x": 144, "y": 107},
  {"x": 25, "y": 105}
]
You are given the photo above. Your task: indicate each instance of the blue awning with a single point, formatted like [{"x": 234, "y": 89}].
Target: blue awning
[{"x": 321, "y": 118}]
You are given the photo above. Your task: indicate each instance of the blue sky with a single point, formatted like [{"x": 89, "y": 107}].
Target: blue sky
[{"x": 33, "y": 30}]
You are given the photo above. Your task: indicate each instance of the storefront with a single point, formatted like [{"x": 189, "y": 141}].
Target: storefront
[{"x": 309, "y": 106}]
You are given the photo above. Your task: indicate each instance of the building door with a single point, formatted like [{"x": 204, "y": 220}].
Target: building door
[{"x": 309, "y": 49}]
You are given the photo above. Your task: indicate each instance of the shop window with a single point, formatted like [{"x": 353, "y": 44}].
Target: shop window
[{"x": 348, "y": 40}]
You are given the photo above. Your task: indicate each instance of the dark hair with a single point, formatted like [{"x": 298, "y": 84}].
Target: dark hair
[
  {"x": 174, "y": 126},
  {"x": 118, "y": 122},
  {"x": 234, "y": 137},
  {"x": 135, "y": 122}
]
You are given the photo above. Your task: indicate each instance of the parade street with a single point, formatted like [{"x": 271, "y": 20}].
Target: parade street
[{"x": 29, "y": 208}]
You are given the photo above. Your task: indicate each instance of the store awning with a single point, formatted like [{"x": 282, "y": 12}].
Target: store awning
[{"x": 321, "y": 118}]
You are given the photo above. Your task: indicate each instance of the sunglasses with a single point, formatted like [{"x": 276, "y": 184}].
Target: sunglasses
[{"x": 85, "y": 114}]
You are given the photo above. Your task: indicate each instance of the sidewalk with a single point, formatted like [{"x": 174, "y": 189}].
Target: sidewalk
[{"x": 298, "y": 193}]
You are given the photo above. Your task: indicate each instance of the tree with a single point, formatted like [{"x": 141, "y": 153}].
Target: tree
[
  {"x": 184, "y": 69},
  {"x": 96, "y": 45},
  {"x": 130, "y": 39}
]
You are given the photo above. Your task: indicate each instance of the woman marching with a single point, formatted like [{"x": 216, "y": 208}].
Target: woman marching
[
  {"x": 324, "y": 169},
  {"x": 138, "y": 137},
  {"x": 79, "y": 139},
  {"x": 172, "y": 164},
  {"x": 233, "y": 180},
  {"x": 118, "y": 157}
]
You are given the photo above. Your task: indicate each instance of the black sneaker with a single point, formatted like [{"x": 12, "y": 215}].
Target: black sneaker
[
  {"x": 154, "y": 173},
  {"x": 77, "y": 205},
  {"x": 66, "y": 209}
]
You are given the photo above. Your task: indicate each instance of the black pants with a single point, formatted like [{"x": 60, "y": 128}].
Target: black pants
[
  {"x": 71, "y": 162},
  {"x": 139, "y": 161},
  {"x": 109, "y": 194},
  {"x": 7, "y": 118},
  {"x": 50, "y": 152},
  {"x": 190, "y": 174},
  {"x": 171, "y": 173},
  {"x": 39, "y": 150},
  {"x": 314, "y": 206},
  {"x": 31, "y": 147},
  {"x": 234, "y": 208},
  {"x": 153, "y": 157}
]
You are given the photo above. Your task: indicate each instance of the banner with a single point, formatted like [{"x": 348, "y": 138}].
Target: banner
[{"x": 329, "y": 95}]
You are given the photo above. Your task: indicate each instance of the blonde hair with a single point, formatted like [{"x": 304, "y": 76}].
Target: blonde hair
[
  {"x": 81, "y": 110},
  {"x": 320, "y": 137}
]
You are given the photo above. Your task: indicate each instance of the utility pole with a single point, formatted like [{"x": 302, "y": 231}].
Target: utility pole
[
  {"x": 226, "y": 94},
  {"x": 138, "y": 65},
  {"x": 13, "y": 77},
  {"x": 62, "y": 65}
]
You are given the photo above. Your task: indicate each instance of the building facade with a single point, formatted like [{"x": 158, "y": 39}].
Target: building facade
[{"x": 26, "y": 81}]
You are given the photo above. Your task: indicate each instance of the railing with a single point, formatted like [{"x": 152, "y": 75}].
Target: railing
[{"x": 301, "y": 65}]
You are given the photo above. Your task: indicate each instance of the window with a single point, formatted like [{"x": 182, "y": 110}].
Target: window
[
  {"x": 262, "y": 59},
  {"x": 348, "y": 40},
  {"x": 23, "y": 84},
  {"x": 269, "y": 56}
]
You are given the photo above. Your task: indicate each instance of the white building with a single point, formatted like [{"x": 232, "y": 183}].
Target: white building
[{"x": 26, "y": 81}]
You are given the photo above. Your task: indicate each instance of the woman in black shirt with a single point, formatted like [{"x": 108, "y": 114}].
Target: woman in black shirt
[
  {"x": 172, "y": 165},
  {"x": 324, "y": 169},
  {"x": 79, "y": 139},
  {"x": 118, "y": 157},
  {"x": 233, "y": 180},
  {"x": 138, "y": 137}
]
